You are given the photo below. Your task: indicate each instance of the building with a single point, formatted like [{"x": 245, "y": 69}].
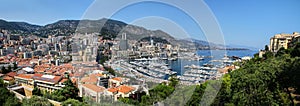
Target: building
[
  {"x": 124, "y": 43},
  {"x": 280, "y": 40},
  {"x": 93, "y": 91},
  {"x": 295, "y": 39},
  {"x": 44, "y": 82},
  {"x": 121, "y": 91},
  {"x": 27, "y": 55},
  {"x": 114, "y": 82}
]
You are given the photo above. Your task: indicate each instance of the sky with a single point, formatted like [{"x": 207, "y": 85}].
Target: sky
[{"x": 242, "y": 22}]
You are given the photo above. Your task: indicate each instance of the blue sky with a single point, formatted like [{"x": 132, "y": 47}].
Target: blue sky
[{"x": 243, "y": 22}]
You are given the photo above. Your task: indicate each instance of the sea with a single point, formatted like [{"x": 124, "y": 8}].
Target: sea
[{"x": 178, "y": 65}]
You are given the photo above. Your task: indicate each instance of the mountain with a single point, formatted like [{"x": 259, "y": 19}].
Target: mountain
[
  {"x": 107, "y": 28},
  {"x": 110, "y": 28},
  {"x": 18, "y": 26}
]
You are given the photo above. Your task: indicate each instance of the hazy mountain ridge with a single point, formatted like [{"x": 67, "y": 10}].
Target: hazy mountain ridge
[
  {"x": 18, "y": 26},
  {"x": 109, "y": 28}
]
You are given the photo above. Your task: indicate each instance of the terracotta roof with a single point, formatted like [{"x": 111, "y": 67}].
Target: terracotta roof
[
  {"x": 94, "y": 87},
  {"x": 63, "y": 80},
  {"x": 117, "y": 79},
  {"x": 89, "y": 79},
  {"x": 74, "y": 80},
  {"x": 99, "y": 75},
  {"x": 11, "y": 74},
  {"x": 25, "y": 76},
  {"x": 38, "y": 75},
  {"x": 8, "y": 78},
  {"x": 112, "y": 90},
  {"x": 48, "y": 78},
  {"x": 125, "y": 89}
]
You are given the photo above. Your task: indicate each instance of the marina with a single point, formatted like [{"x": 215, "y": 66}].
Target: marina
[{"x": 189, "y": 71}]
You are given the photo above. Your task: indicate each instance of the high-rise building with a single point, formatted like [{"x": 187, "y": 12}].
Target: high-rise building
[{"x": 123, "y": 43}]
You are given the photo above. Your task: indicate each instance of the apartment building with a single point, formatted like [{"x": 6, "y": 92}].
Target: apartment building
[{"x": 280, "y": 40}]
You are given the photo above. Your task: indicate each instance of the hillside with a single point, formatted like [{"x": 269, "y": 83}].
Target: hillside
[{"x": 105, "y": 27}]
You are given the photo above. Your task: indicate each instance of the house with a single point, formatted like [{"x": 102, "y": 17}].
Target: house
[
  {"x": 121, "y": 91},
  {"x": 93, "y": 91},
  {"x": 90, "y": 79},
  {"x": 114, "y": 82},
  {"x": 9, "y": 77}
]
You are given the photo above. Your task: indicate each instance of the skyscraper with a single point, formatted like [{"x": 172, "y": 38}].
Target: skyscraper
[{"x": 123, "y": 43}]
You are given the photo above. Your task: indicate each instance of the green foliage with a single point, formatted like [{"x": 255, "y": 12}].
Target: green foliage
[
  {"x": 156, "y": 94},
  {"x": 110, "y": 70},
  {"x": 196, "y": 97},
  {"x": 295, "y": 51},
  {"x": 268, "y": 54},
  {"x": 258, "y": 82},
  {"x": 4, "y": 70},
  {"x": 280, "y": 52},
  {"x": 12, "y": 101},
  {"x": 70, "y": 91},
  {"x": 15, "y": 66},
  {"x": 173, "y": 81},
  {"x": 9, "y": 68},
  {"x": 129, "y": 101},
  {"x": 36, "y": 101},
  {"x": 7, "y": 98},
  {"x": 266, "y": 48},
  {"x": 2, "y": 84},
  {"x": 73, "y": 102},
  {"x": 36, "y": 91}
]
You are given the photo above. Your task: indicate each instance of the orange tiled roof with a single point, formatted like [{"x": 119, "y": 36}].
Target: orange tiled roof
[
  {"x": 90, "y": 79},
  {"x": 63, "y": 80},
  {"x": 8, "y": 78},
  {"x": 117, "y": 79},
  {"x": 125, "y": 89},
  {"x": 25, "y": 76},
  {"x": 99, "y": 75},
  {"x": 38, "y": 75},
  {"x": 11, "y": 74},
  {"x": 112, "y": 90},
  {"x": 94, "y": 87},
  {"x": 74, "y": 80},
  {"x": 55, "y": 79}
]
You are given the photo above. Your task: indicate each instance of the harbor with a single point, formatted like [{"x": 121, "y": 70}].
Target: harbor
[{"x": 188, "y": 69}]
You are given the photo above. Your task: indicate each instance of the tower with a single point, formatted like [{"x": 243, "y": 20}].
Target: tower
[
  {"x": 151, "y": 40},
  {"x": 123, "y": 42}
]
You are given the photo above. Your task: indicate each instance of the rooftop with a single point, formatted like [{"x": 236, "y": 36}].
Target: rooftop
[{"x": 94, "y": 87}]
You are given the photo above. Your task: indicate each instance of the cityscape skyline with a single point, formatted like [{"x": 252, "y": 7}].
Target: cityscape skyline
[{"x": 248, "y": 23}]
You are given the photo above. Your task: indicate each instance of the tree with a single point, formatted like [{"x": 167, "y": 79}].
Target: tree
[
  {"x": 266, "y": 48},
  {"x": 15, "y": 66},
  {"x": 36, "y": 101},
  {"x": 7, "y": 98},
  {"x": 4, "y": 70},
  {"x": 281, "y": 52},
  {"x": 295, "y": 52},
  {"x": 268, "y": 54},
  {"x": 173, "y": 81},
  {"x": 9, "y": 68},
  {"x": 67, "y": 92},
  {"x": 73, "y": 102},
  {"x": 12, "y": 101},
  {"x": 36, "y": 91}
]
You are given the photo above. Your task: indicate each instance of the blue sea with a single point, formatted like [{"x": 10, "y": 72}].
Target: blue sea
[{"x": 178, "y": 65}]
